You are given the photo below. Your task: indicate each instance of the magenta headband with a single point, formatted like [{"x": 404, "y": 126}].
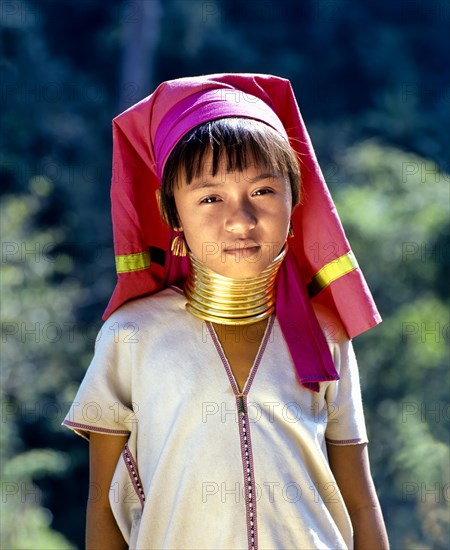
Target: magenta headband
[{"x": 202, "y": 107}]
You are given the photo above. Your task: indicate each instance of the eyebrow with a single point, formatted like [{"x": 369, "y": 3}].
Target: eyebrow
[
  {"x": 202, "y": 184},
  {"x": 263, "y": 176},
  {"x": 205, "y": 184}
]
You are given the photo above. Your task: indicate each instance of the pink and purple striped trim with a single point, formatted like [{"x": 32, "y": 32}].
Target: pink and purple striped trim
[
  {"x": 346, "y": 441},
  {"x": 99, "y": 429},
  {"x": 249, "y": 477},
  {"x": 134, "y": 474},
  {"x": 255, "y": 366},
  {"x": 245, "y": 439}
]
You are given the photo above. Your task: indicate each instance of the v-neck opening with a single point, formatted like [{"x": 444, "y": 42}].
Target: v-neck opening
[{"x": 256, "y": 361}]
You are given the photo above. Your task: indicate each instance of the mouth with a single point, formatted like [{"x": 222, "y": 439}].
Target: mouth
[{"x": 242, "y": 249}]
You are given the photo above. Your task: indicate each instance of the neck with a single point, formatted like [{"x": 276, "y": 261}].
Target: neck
[{"x": 227, "y": 301}]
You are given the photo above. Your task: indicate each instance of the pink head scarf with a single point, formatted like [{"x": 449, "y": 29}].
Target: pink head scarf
[{"x": 319, "y": 262}]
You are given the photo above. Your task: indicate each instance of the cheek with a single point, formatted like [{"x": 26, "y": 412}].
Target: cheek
[
  {"x": 283, "y": 221},
  {"x": 195, "y": 229},
  {"x": 183, "y": 212},
  {"x": 288, "y": 201},
  {"x": 284, "y": 212}
]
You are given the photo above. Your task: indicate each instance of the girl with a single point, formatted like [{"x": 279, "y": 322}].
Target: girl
[{"x": 223, "y": 405}]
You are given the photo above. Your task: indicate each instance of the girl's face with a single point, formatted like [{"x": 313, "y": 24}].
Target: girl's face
[{"x": 236, "y": 223}]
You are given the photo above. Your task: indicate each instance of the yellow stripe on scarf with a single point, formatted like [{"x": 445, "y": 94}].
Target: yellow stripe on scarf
[
  {"x": 132, "y": 262},
  {"x": 332, "y": 271}
]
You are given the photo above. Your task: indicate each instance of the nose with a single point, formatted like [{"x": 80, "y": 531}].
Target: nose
[{"x": 240, "y": 218}]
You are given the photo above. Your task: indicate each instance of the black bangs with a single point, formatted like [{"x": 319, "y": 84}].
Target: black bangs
[
  {"x": 239, "y": 142},
  {"x": 228, "y": 141}
]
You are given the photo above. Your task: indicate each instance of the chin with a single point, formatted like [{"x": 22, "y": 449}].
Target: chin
[{"x": 239, "y": 270}]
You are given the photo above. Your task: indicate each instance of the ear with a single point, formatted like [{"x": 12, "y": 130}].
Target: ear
[{"x": 158, "y": 201}]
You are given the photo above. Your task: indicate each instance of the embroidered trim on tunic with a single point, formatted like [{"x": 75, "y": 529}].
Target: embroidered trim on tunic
[
  {"x": 344, "y": 441},
  {"x": 173, "y": 287},
  {"x": 134, "y": 475},
  {"x": 249, "y": 475},
  {"x": 244, "y": 430},
  {"x": 88, "y": 428}
]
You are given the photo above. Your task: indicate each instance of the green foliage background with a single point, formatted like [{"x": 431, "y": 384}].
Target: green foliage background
[{"x": 371, "y": 81}]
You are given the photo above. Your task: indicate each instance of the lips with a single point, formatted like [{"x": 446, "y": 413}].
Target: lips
[{"x": 235, "y": 248}]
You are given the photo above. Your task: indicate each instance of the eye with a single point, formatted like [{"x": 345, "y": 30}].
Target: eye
[
  {"x": 263, "y": 191},
  {"x": 210, "y": 200}
]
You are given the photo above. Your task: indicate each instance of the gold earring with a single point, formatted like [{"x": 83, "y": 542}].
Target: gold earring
[
  {"x": 178, "y": 245},
  {"x": 291, "y": 230}
]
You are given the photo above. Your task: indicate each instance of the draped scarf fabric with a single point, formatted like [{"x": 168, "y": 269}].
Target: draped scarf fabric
[{"x": 319, "y": 264}]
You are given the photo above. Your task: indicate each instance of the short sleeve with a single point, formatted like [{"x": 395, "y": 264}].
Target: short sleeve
[
  {"x": 103, "y": 401},
  {"x": 346, "y": 424}
]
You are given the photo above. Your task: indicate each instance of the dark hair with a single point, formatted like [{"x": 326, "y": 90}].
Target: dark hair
[{"x": 239, "y": 141}]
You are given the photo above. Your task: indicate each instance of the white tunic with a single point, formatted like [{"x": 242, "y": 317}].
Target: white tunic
[{"x": 203, "y": 468}]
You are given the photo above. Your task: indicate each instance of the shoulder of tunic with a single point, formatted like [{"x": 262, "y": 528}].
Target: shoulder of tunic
[{"x": 163, "y": 306}]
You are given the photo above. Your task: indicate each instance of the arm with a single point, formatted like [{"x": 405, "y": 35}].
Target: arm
[
  {"x": 102, "y": 530},
  {"x": 350, "y": 467}
]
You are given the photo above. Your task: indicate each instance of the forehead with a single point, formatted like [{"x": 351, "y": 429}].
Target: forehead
[{"x": 210, "y": 169}]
